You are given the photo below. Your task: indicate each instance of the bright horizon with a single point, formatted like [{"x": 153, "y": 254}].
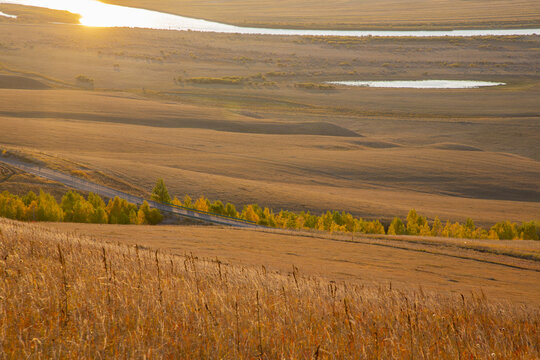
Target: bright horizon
[
  {"x": 93, "y": 13},
  {"x": 97, "y": 14}
]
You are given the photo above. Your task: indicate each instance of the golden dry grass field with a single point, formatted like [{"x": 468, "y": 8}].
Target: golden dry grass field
[
  {"x": 353, "y": 14},
  {"x": 249, "y": 119},
  {"x": 144, "y": 113},
  {"x": 67, "y": 295}
]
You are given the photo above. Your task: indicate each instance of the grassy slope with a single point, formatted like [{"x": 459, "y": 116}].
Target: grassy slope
[
  {"x": 293, "y": 171},
  {"x": 417, "y": 149},
  {"x": 66, "y": 296},
  {"x": 358, "y": 14}
]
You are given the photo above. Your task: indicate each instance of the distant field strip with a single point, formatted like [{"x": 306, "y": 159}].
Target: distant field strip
[
  {"x": 84, "y": 185},
  {"x": 410, "y": 243}
]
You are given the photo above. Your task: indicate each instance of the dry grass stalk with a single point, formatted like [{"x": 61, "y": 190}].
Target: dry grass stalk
[
  {"x": 64, "y": 309},
  {"x": 107, "y": 276},
  {"x": 160, "y": 290},
  {"x": 261, "y": 352},
  {"x": 237, "y": 327}
]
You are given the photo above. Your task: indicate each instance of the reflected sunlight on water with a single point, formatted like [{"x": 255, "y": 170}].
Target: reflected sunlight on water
[
  {"x": 95, "y": 13},
  {"x": 7, "y": 15}
]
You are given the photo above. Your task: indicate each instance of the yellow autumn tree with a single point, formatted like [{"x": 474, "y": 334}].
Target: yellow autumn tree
[
  {"x": 437, "y": 228},
  {"x": 249, "y": 214},
  {"x": 176, "y": 202},
  {"x": 202, "y": 204}
]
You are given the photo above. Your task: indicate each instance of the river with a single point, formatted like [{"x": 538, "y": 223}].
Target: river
[{"x": 95, "y": 13}]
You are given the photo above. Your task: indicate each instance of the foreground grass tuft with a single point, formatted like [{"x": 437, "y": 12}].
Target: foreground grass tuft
[{"x": 64, "y": 296}]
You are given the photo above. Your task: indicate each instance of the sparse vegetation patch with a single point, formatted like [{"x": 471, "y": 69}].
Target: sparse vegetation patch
[
  {"x": 226, "y": 80},
  {"x": 313, "y": 86},
  {"x": 85, "y": 81}
]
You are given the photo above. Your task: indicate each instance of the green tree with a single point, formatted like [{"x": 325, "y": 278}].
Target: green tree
[
  {"x": 267, "y": 218},
  {"x": 160, "y": 192},
  {"x": 99, "y": 216},
  {"x": 412, "y": 223},
  {"x": 328, "y": 220},
  {"x": 348, "y": 221},
  {"x": 311, "y": 220},
  {"x": 154, "y": 217},
  {"x": 446, "y": 230},
  {"x": 397, "y": 227},
  {"x": 28, "y": 198},
  {"x": 468, "y": 229},
  {"x": 373, "y": 227},
  {"x": 133, "y": 217},
  {"x": 96, "y": 201},
  {"x": 146, "y": 215},
  {"x": 83, "y": 211},
  {"x": 12, "y": 207},
  {"x": 217, "y": 207},
  {"x": 230, "y": 210},
  {"x": 142, "y": 215},
  {"x": 505, "y": 230},
  {"x": 492, "y": 235},
  {"x": 456, "y": 230},
  {"x": 69, "y": 201},
  {"x": 337, "y": 218},
  {"x": 188, "y": 202},
  {"x": 119, "y": 210},
  {"x": 291, "y": 220},
  {"x": 436, "y": 228},
  {"x": 48, "y": 209},
  {"x": 480, "y": 233},
  {"x": 425, "y": 230},
  {"x": 529, "y": 231},
  {"x": 31, "y": 211},
  {"x": 416, "y": 224}
]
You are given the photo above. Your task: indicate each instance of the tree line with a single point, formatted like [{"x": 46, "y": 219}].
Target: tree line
[
  {"x": 74, "y": 207},
  {"x": 416, "y": 224},
  {"x": 329, "y": 221},
  {"x": 335, "y": 221}
]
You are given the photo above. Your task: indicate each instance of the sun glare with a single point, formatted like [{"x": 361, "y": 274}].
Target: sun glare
[
  {"x": 98, "y": 14},
  {"x": 93, "y": 13}
]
